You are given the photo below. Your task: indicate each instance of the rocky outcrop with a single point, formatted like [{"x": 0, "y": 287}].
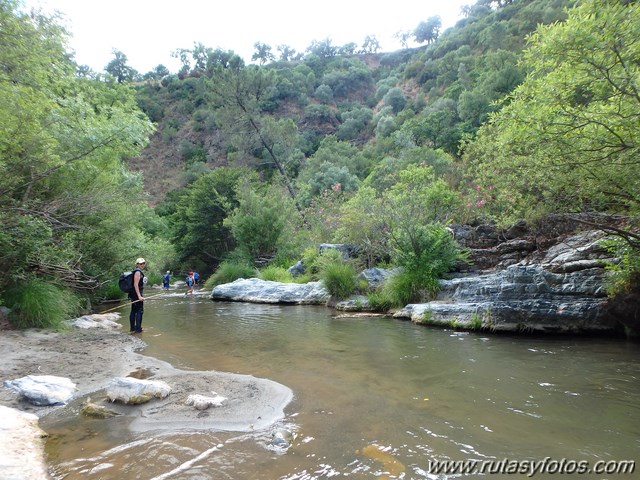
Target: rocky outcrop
[
  {"x": 254, "y": 290},
  {"x": 559, "y": 289},
  {"x": 520, "y": 298}
]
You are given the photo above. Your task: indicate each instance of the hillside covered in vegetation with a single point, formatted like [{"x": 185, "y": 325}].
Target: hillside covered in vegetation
[{"x": 525, "y": 108}]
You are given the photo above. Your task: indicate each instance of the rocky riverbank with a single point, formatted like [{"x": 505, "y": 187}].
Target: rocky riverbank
[{"x": 547, "y": 279}]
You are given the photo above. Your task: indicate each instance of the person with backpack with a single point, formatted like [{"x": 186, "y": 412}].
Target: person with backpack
[
  {"x": 137, "y": 300},
  {"x": 189, "y": 282},
  {"x": 196, "y": 278},
  {"x": 166, "y": 278}
]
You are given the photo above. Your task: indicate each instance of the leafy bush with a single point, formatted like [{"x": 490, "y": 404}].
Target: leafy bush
[
  {"x": 111, "y": 291},
  {"x": 228, "y": 271},
  {"x": 426, "y": 253},
  {"x": 324, "y": 93},
  {"x": 362, "y": 223},
  {"x": 310, "y": 258},
  {"x": 353, "y": 123},
  {"x": 38, "y": 304}
]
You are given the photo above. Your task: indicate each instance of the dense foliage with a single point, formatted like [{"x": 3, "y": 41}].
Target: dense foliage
[
  {"x": 70, "y": 212},
  {"x": 525, "y": 108},
  {"x": 568, "y": 138}
]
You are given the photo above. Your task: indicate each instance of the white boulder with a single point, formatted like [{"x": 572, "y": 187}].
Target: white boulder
[
  {"x": 134, "y": 391},
  {"x": 201, "y": 402},
  {"x": 43, "y": 390}
]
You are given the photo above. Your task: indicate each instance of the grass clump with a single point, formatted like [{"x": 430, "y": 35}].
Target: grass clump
[
  {"x": 396, "y": 291},
  {"x": 339, "y": 279},
  {"x": 39, "y": 304},
  {"x": 337, "y": 274},
  {"x": 274, "y": 273},
  {"x": 229, "y": 271},
  {"x": 378, "y": 302}
]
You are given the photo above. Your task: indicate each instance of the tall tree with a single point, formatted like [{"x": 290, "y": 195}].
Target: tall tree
[
  {"x": 286, "y": 52},
  {"x": 428, "y": 31},
  {"x": 199, "y": 232},
  {"x": 239, "y": 93},
  {"x": 119, "y": 69},
  {"x": 263, "y": 53}
]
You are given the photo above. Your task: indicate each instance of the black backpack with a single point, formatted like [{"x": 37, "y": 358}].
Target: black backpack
[{"x": 126, "y": 282}]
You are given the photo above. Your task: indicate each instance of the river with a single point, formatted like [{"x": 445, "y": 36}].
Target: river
[{"x": 374, "y": 398}]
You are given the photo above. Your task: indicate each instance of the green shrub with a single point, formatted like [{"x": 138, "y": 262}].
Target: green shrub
[
  {"x": 111, "y": 291},
  {"x": 339, "y": 278},
  {"x": 153, "y": 278},
  {"x": 228, "y": 271},
  {"x": 305, "y": 278},
  {"x": 624, "y": 276},
  {"x": 426, "y": 253},
  {"x": 261, "y": 223},
  {"x": 310, "y": 258},
  {"x": 275, "y": 274},
  {"x": 38, "y": 304}
]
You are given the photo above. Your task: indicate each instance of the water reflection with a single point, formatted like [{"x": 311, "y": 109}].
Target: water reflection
[{"x": 374, "y": 398}]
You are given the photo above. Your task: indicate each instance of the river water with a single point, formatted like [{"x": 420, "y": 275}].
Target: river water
[{"x": 374, "y": 398}]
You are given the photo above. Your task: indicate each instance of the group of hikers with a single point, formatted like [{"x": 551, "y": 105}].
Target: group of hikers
[
  {"x": 137, "y": 298},
  {"x": 192, "y": 279}
]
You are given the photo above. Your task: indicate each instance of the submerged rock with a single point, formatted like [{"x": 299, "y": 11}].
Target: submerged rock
[
  {"x": 93, "y": 410},
  {"x": 282, "y": 438},
  {"x": 98, "y": 320}
]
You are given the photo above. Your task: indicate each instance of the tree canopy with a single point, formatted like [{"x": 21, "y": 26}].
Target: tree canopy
[{"x": 567, "y": 138}]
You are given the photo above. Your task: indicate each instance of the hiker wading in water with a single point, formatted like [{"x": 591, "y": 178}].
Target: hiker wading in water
[{"x": 137, "y": 300}]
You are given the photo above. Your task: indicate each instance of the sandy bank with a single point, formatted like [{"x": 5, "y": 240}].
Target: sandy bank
[{"x": 91, "y": 358}]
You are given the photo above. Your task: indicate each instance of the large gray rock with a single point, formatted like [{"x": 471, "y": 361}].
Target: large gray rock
[
  {"x": 297, "y": 269},
  {"x": 375, "y": 276},
  {"x": 532, "y": 315},
  {"x": 254, "y": 290},
  {"x": 519, "y": 282}
]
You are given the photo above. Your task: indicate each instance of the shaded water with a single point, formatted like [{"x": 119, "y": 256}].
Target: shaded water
[{"x": 373, "y": 398}]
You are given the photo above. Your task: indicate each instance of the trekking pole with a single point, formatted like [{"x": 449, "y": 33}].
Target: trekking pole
[{"x": 127, "y": 304}]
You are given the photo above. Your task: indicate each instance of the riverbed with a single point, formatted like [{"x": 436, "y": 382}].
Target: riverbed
[{"x": 372, "y": 398}]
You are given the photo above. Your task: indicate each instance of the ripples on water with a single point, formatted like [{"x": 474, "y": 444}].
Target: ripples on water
[{"x": 374, "y": 398}]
